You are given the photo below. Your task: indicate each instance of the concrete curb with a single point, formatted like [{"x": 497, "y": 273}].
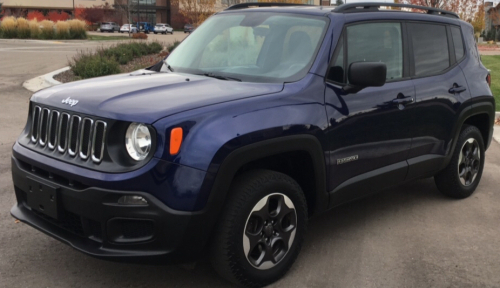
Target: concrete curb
[{"x": 44, "y": 81}]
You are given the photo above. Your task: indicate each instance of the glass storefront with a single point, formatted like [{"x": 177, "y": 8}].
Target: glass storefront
[{"x": 144, "y": 16}]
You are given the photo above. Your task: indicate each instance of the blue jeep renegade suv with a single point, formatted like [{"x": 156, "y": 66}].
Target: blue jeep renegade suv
[{"x": 266, "y": 115}]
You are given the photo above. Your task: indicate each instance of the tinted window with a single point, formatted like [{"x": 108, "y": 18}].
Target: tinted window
[
  {"x": 337, "y": 71},
  {"x": 377, "y": 42},
  {"x": 458, "y": 42},
  {"x": 430, "y": 48}
]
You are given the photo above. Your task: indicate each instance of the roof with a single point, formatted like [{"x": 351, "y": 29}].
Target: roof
[{"x": 342, "y": 9}]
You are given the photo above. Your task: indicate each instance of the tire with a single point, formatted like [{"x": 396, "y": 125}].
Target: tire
[
  {"x": 155, "y": 33},
  {"x": 232, "y": 254},
  {"x": 462, "y": 175}
]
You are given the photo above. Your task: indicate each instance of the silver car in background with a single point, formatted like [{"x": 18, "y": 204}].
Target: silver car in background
[
  {"x": 128, "y": 28},
  {"x": 163, "y": 29},
  {"x": 109, "y": 27}
]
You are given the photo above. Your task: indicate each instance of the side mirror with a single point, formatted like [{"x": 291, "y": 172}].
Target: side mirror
[{"x": 365, "y": 74}]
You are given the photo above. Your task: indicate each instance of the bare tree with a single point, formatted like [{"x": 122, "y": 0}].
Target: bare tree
[
  {"x": 126, "y": 7},
  {"x": 196, "y": 11}
]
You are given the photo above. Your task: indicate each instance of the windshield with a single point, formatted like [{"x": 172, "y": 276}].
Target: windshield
[{"x": 253, "y": 47}]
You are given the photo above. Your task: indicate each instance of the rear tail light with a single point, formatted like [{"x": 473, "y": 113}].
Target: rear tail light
[{"x": 488, "y": 79}]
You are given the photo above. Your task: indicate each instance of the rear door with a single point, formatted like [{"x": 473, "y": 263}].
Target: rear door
[
  {"x": 370, "y": 131},
  {"x": 441, "y": 89}
]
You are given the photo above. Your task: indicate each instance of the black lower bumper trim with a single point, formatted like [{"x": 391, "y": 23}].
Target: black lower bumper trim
[{"x": 91, "y": 221}]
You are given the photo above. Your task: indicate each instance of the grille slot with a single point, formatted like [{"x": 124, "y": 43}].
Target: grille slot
[
  {"x": 74, "y": 129},
  {"x": 63, "y": 132},
  {"x": 35, "y": 124},
  {"x": 80, "y": 137},
  {"x": 44, "y": 123},
  {"x": 98, "y": 141},
  {"x": 53, "y": 122},
  {"x": 85, "y": 142}
]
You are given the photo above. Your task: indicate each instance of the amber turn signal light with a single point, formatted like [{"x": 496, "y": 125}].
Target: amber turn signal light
[{"x": 175, "y": 140}]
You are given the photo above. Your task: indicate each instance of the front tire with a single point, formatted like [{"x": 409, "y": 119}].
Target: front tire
[
  {"x": 261, "y": 230},
  {"x": 462, "y": 175}
]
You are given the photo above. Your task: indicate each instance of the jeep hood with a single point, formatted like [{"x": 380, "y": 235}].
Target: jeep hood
[{"x": 146, "y": 96}]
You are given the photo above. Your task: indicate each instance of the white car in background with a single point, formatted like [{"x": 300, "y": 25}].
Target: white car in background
[
  {"x": 126, "y": 28},
  {"x": 163, "y": 29}
]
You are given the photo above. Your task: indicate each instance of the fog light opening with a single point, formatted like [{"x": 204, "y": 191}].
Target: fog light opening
[{"x": 132, "y": 200}]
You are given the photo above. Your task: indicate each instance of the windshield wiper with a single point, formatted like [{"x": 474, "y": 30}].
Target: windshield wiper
[
  {"x": 220, "y": 77},
  {"x": 168, "y": 66}
]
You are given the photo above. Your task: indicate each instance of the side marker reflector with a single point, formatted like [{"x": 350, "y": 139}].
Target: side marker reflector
[{"x": 175, "y": 140}]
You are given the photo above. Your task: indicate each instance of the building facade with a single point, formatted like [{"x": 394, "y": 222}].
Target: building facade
[{"x": 152, "y": 11}]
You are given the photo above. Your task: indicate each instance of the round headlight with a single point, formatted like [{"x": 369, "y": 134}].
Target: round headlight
[{"x": 138, "y": 141}]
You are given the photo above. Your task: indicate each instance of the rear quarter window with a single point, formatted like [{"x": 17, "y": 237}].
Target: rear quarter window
[{"x": 430, "y": 48}]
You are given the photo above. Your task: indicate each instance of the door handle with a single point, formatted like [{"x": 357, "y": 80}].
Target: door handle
[
  {"x": 457, "y": 89},
  {"x": 404, "y": 100}
]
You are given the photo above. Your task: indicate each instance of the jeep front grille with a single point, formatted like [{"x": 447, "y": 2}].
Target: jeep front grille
[{"x": 81, "y": 137}]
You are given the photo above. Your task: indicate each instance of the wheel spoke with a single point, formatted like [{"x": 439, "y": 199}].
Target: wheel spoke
[
  {"x": 461, "y": 157},
  {"x": 475, "y": 153}
]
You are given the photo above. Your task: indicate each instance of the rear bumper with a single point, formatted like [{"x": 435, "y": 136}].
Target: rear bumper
[{"x": 90, "y": 220}]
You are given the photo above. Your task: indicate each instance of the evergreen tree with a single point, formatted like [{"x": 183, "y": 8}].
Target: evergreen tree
[{"x": 339, "y": 2}]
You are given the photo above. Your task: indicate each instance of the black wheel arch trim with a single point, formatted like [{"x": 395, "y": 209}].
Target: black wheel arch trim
[
  {"x": 226, "y": 171},
  {"x": 483, "y": 107}
]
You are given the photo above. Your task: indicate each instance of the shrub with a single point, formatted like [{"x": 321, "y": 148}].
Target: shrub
[
  {"x": 77, "y": 29},
  {"x": 140, "y": 36},
  {"x": 36, "y": 15},
  {"x": 62, "y": 30},
  {"x": 34, "y": 28},
  {"x": 56, "y": 16},
  {"x": 138, "y": 49},
  {"x": 23, "y": 28},
  {"x": 173, "y": 46},
  {"x": 154, "y": 48},
  {"x": 121, "y": 53},
  {"x": 9, "y": 25},
  {"x": 89, "y": 65},
  {"x": 46, "y": 29}
]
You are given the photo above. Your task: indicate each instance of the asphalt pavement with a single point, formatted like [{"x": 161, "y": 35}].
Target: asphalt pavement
[{"x": 408, "y": 236}]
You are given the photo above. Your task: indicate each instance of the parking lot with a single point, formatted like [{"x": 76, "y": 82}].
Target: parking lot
[
  {"x": 409, "y": 236},
  {"x": 168, "y": 38}
]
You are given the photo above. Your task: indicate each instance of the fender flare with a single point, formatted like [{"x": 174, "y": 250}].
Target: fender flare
[
  {"x": 475, "y": 109},
  {"x": 234, "y": 160}
]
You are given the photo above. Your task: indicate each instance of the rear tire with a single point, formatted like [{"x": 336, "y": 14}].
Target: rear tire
[
  {"x": 462, "y": 175},
  {"x": 261, "y": 230}
]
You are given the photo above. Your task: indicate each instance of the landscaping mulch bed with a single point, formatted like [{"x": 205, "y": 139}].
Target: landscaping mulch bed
[
  {"x": 136, "y": 64},
  {"x": 488, "y": 47},
  {"x": 497, "y": 122}
]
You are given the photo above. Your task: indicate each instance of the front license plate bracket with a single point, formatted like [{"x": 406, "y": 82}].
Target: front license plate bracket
[{"x": 42, "y": 197}]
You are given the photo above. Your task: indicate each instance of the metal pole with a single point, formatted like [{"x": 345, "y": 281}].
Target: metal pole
[{"x": 74, "y": 12}]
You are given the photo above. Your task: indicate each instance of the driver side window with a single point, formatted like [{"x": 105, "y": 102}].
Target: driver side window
[{"x": 370, "y": 42}]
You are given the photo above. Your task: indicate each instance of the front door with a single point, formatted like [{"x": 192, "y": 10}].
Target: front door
[{"x": 369, "y": 134}]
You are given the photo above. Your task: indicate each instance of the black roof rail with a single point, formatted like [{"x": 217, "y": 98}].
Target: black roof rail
[
  {"x": 261, "y": 4},
  {"x": 375, "y": 6}
]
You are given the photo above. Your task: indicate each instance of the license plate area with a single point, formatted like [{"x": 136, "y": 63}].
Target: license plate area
[{"x": 42, "y": 197}]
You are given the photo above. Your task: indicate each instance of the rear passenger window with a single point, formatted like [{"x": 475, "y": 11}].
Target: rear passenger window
[
  {"x": 458, "y": 42},
  {"x": 377, "y": 42},
  {"x": 430, "y": 48}
]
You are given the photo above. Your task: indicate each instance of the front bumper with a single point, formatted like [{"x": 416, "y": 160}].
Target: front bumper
[{"x": 90, "y": 220}]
